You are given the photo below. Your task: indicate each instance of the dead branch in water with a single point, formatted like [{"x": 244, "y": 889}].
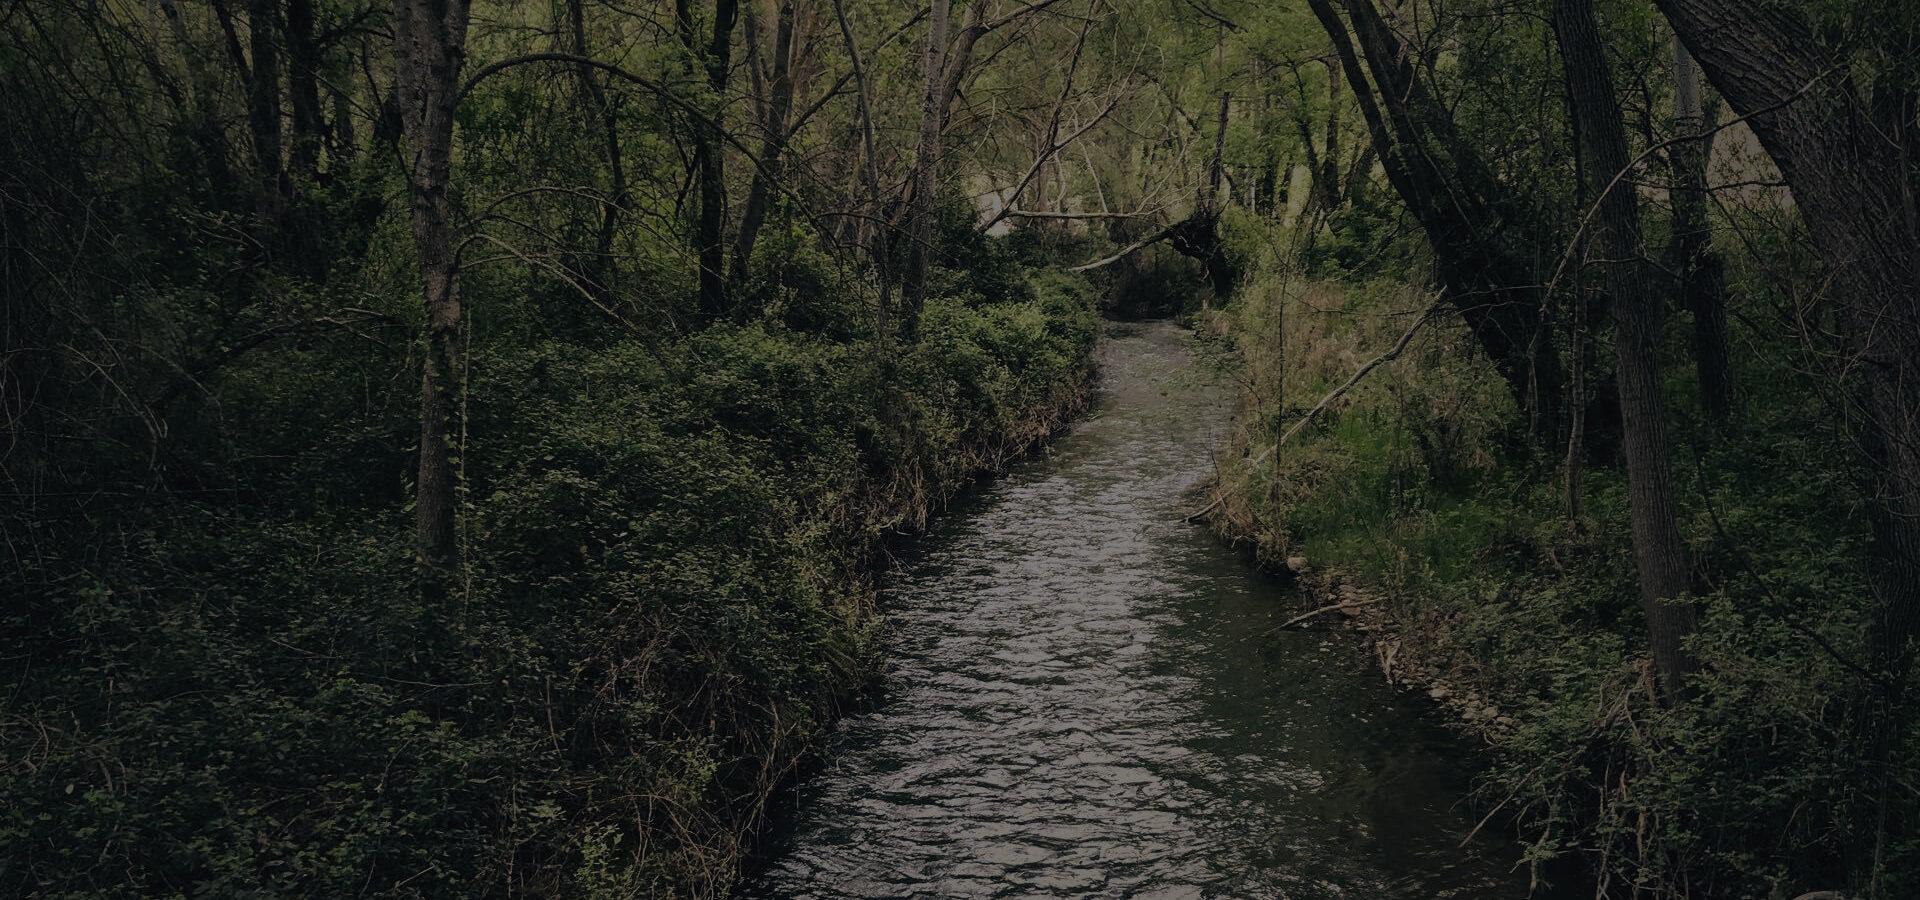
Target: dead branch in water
[{"x": 1350, "y": 604}]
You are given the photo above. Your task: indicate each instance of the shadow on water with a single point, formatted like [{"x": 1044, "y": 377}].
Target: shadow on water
[{"x": 1087, "y": 697}]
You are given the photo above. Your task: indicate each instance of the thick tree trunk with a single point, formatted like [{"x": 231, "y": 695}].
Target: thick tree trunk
[
  {"x": 1657, "y": 549},
  {"x": 1701, "y": 281},
  {"x": 430, "y": 46},
  {"x": 1845, "y": 159},
  {"x": 926, "y": 181}
]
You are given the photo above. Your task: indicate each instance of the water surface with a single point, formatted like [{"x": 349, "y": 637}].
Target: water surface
[{"x": 1087, "y": 698}]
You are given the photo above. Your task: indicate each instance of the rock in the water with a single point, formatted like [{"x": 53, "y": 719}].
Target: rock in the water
[
  {"x": 1296, "y": 564},
  {"x": 1439, "y": 692}
]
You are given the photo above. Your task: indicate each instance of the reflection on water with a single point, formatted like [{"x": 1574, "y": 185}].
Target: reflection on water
[{"x": 1087, "y": 699}]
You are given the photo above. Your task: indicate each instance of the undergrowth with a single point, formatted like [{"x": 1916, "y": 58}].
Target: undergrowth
[
  {"x": 667, "y": 591},
  {"x": 1762, "y": 784}
]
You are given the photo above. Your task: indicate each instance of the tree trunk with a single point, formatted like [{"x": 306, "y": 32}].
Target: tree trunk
[
  {"x": 1469, "y": 219},
  {"x": 957, "y": 61},
  {"x": 773, "y": 145},
  {"x": 1657, "y": 548},
  {"x": 1327, "y": 183},
  {"x": 926, "y": 163},
  {"x": 709, "y": 158},
  {"x": 1210, "y": 193},
  {"x": 207, "y": 134},
  {"x": 263, "y": 119},
  {"x": 307, "y": 244},
  {"x": 303, "y": 88},
  {"x": 429, "y": 48},
  {"x": 874, "y": 239},
  {"x": 1844, "y": 159},
  {"x": 1701, "y": 280},
  {"x": 601, "y": 264}
]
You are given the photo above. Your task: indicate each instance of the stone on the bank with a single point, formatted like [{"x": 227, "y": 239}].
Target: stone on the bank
[
  {"x": 1439, "y": 692},
  {"x": 1296, "y": 564}
]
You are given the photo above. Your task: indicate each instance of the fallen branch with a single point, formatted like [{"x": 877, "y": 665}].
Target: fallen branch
[
  {"x": 1129, "y": 250},
  {"x": 1036, "y": 214},
  {"x": 1335, "y": 394},
  {"x": 1324, "y": 609},
  {"x": 1197, "y": 516}
]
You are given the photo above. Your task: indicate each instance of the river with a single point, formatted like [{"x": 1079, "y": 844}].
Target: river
[{"x": 1087, "y": 697}]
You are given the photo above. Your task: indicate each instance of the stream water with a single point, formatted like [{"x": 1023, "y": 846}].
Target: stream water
[{"x": 1087, "y": 697}]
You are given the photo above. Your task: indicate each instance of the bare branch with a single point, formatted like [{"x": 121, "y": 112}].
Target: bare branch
[{"x": 1125, "y": 252}]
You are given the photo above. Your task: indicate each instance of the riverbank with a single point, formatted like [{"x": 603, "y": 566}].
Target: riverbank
[{"x": 1406, "y": 508}]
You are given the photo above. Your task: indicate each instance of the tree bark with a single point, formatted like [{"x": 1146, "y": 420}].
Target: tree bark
[
  {"x": 429, "y": 48},
  {"x": 1658, "y": 552},
  {"x": 1326, "y": 183},
  {"x": 1216, "y": 162},
  {"x": 1842, "y": 148},
  {"x": 926, "y": 164},
  {"x": 960, "y": 58},
  {"x": 207, "y": 134}
]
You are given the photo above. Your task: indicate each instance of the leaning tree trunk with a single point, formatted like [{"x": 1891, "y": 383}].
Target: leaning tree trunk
[
  {"x": 430, "y": 45},
  {"x": 1471, "y": 220},
  {"x": 1657, "y": 548}
]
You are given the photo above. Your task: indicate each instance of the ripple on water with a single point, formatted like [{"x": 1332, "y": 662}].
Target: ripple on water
[{"x": 1084, "y": 699}]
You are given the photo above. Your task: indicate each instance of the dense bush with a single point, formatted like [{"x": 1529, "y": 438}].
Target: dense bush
[{"x": 667, "y": 590}]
